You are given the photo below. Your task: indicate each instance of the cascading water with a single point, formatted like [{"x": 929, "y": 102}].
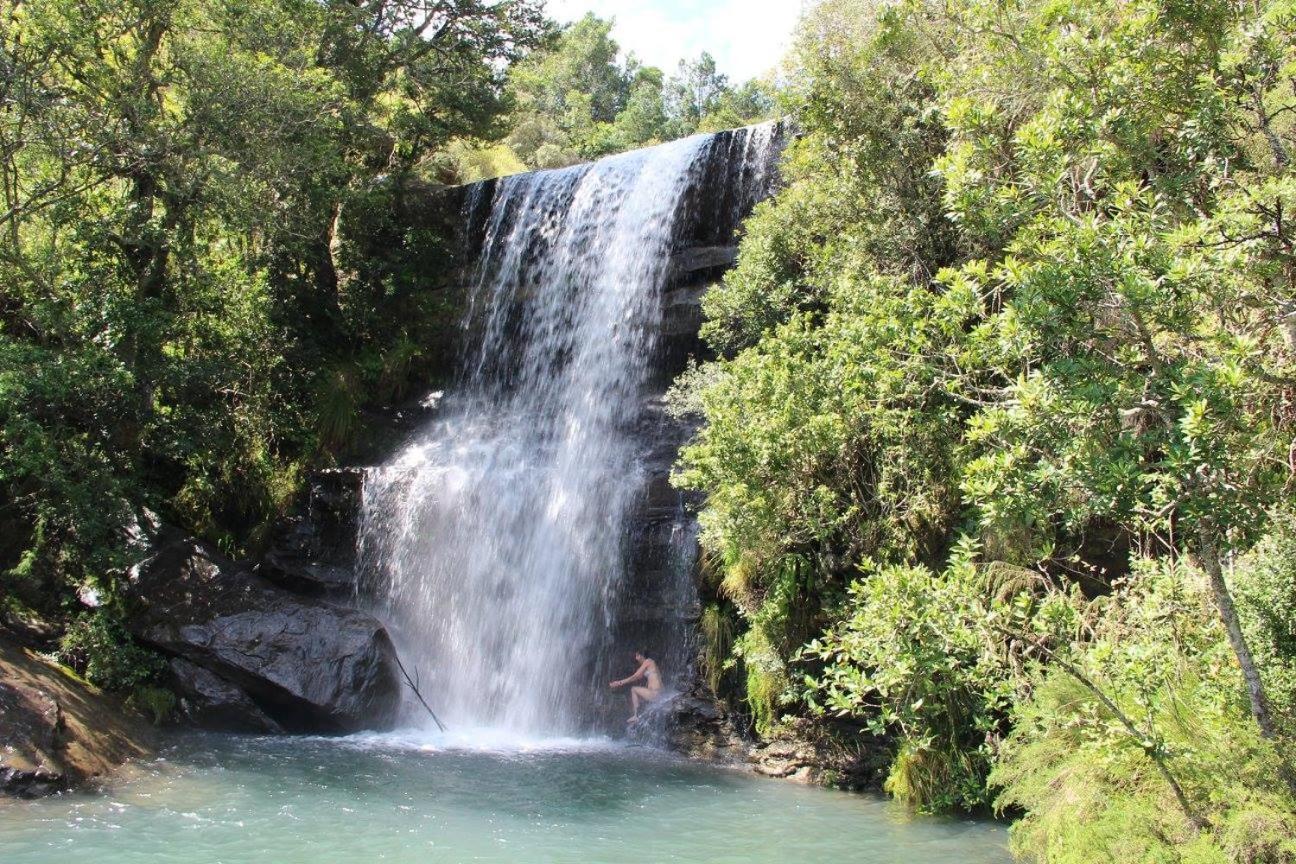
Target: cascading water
[{"x": 496, "y": 540}]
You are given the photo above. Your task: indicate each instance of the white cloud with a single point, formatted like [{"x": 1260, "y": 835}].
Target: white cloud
[{"x": 747, "y": 37}]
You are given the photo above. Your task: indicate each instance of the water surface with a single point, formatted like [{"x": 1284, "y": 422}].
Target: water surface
[{"x": 413, "y": 799}]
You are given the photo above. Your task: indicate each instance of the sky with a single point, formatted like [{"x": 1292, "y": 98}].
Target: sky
[{"x": 746, "y": 37}]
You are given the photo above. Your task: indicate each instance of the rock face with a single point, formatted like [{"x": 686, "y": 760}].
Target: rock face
[
  {"x": 315, "y": 552},
  {"x": 271, "y": 658},
  {"x": 699, "y": 727},
  {"x": 657, "y": 605},
  {"x": 208, "y": 701},
  {"x": 56, "y": 732}
]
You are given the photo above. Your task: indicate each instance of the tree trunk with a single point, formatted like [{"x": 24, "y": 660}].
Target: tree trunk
[{"x": 1208, "y": 557}]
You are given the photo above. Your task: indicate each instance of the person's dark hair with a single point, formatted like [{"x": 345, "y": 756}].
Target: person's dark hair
[{"x": 640, "y": 652}]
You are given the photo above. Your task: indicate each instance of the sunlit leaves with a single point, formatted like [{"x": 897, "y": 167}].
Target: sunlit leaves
[
  {"x": 172, "y": 177},
  {"x": 1039, "y": 260}
]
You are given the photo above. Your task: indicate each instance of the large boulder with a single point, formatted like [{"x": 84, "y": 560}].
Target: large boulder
[
  {"x": 696, "y": 724},
  {"x": 307, "y": 665}
]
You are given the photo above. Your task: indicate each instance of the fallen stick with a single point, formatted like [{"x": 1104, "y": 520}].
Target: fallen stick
[{"x": 414, "y": 686}]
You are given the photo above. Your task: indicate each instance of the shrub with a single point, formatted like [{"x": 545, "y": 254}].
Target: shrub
[
  {"x": 98, "y": 647},
  {"x": 910, "y": 656},
  {"x": 1146, "y": 695},
  {"x": 1266, "y": 594}
]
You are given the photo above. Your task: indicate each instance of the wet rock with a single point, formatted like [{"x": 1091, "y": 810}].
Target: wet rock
[
  {"x": 309, "y": 665},
  {"x": 663, "y": 501},
  {"x": 335, "y": 498},
  {"x": 314, "y": 550},
  {"x": 826, "y": 752},
  {"x": 57, "y": 732},
  {"x": 776, "y": 768},
  {"x": 800, "y": 766},
  {"x": 699, "y": 258},
  {"x": 784, "y": 759},
  {"x": 208, "y": 701},
  {"x": 681, "y": 320},
  {"x": 303, "y": 575},
  {"x": 29, "y": 762},
  {"x": 696, "y": 725}
]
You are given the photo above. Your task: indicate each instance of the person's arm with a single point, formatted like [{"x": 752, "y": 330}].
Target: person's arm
[{"x": 639, "y": 674}]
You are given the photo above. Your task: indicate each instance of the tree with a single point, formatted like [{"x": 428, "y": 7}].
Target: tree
[
  {"x": 1029, "y": 281},
  {"x": 171, "y": 310},
  {"x": 753, "y": 101},
  {"x": 573, "y": 85},
  {"x": 575, "y": 100},
  {"x": 693, "y": 92},
  {"x": 643, "y": 119}
]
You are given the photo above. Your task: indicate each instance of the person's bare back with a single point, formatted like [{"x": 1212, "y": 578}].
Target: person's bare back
[{"x": 649, "y": 691}]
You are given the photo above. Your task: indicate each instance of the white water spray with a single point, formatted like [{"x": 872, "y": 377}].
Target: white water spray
[{"x": 496, "y": 539}]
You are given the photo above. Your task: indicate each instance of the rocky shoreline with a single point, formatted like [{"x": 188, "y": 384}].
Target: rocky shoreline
[
  {"x": 273, "y": 648},
  {"x": 699, "y": 726},
  {"x": 59, "y": 732}
]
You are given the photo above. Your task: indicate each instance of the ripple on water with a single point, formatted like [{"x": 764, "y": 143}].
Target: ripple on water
[{"x": 410, "y": 797}]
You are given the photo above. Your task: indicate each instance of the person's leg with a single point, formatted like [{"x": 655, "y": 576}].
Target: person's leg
[{"x": 638, "y": 696}]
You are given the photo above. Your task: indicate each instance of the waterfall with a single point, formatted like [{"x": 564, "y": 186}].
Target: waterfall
[{"x": 496, "y": 540}]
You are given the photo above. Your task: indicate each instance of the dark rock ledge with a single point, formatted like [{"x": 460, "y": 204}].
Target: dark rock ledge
[{"x": 248, "y": 655}]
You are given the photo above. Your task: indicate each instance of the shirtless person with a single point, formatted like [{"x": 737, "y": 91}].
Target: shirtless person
[{"x": 649, "y": 692}]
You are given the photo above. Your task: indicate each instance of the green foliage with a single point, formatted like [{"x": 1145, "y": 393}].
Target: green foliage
[
  {"x": 338, "y": 400},
  {"x": 100, "y": 650},
  {"x": 717, "y": 628},
  {"x": 466, "y": 164},
  {"x": 733, "y": 107},
  {"x": 581, "y": 73},
  {"x": 694, "y": 93},
  {"x": 911, "y": 657},
  {"x": 158, "y": 703},
  {"x": 765, "y": 679},
  {"x": 1029, "y": 281},
  {"x": 1266, "y": 592},
  {"x": 575, "y": 100},
  {"x": 97, "y": 647},
  {"x": 176, "y": 299},
  {"x": 1086, "y": 784}
]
